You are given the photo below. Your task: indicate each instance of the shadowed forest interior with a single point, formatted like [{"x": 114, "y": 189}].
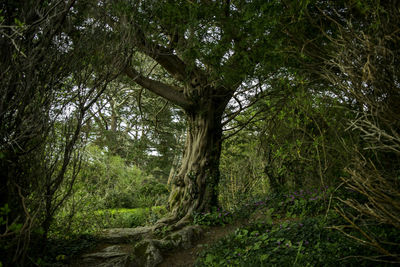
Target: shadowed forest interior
[{"x": 131, "y": 131}]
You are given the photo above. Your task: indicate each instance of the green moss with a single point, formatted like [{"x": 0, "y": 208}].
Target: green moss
[
  {"x": 159, "y": 210},
  {"x": 174, "y": 198}
]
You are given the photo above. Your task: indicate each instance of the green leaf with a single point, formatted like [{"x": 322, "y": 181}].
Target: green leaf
[
  {"x": 264, "y": 257},
  {"x": 5, "y": 210},
  {"x": 210, "y": 258},
  {"x": 18, "y": 22},
  {"x": 15, "y": 227},
  {"x": 60, "y": 257},
  {"x": 257, "y": 246}
]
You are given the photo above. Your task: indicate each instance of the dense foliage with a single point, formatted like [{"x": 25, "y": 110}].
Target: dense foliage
[
  {"x": 291, "y": 229},
  {"x": 118, "y": 113}
]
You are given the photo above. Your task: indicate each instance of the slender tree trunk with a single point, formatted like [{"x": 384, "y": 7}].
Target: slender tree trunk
[{"x": 194, "y": 188}]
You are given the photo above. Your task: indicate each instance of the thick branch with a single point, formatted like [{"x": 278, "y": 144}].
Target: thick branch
[
  {"x": 164, "y": 56},
  {"x": 171, "y": 93},
  {"x": 170, "y": 62}
]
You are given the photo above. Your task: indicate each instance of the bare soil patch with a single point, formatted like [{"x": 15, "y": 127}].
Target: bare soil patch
[{"x": 187, "y": 257}]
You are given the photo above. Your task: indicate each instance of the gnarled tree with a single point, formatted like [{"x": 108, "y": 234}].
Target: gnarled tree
[{"x": 207, "y": 51}]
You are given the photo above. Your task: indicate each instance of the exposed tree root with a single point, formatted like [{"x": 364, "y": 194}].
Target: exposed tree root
[
  {"x": 149, "y": 252},
  {"x": 150, "y": 243}
]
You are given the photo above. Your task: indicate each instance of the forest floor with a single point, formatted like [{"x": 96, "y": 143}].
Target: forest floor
[
  {"x": 187, "y": 257},
  {"x": 107, "y": 254},
  {"x": 280, "y": 231}
]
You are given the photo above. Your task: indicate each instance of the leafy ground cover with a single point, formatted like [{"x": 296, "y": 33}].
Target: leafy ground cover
[
  {"x": 289, "y": 229},
  {"x": 60, "y": 251},
  {"x": 292, "y": 228}
]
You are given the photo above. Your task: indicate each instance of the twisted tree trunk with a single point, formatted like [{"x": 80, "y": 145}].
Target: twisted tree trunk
[{"x": 195, "y": 186}]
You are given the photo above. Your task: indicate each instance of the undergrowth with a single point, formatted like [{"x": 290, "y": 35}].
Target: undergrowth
[
  {"x": 61, "y": 249},
  {"x": 289, "y": 229}
]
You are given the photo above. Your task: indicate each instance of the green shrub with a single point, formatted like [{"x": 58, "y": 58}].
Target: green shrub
[
  {"x": 216, "y": 217},
  {"x": 129, "y": 218},
  {"x": 151, "y": 193},
  {"x": 293, "y": 204},
  {"x": 62, "y": 250},
  {"x": 106, "y": 182},
  {"x": 126, "y": 218}
]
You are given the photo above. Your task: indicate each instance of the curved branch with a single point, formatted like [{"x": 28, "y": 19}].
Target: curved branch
[
  {"x": 171, "y": 93},
  {"x": 241, "y": 126},
  {"x": 164, "y": 56}
]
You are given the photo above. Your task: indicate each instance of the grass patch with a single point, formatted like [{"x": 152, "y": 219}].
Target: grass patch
[{"x": 127, "y": 218}]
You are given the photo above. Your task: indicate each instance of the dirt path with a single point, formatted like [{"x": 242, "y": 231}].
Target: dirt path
[
  {"x": 186, "y": 258},
  {"x": 117, "y": 251}
]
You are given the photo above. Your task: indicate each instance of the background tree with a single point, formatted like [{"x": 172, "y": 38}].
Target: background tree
[
  {"x": 298, "y": 143},
  {"x": 369, "y": 56},
  {"x": 358, "y": 61},
  {"x": 48, "y": 83},
  {"x": 138, "y": 127}
]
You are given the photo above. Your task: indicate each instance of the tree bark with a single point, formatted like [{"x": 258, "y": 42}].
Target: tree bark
[{"x": 194, "y": 188}]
